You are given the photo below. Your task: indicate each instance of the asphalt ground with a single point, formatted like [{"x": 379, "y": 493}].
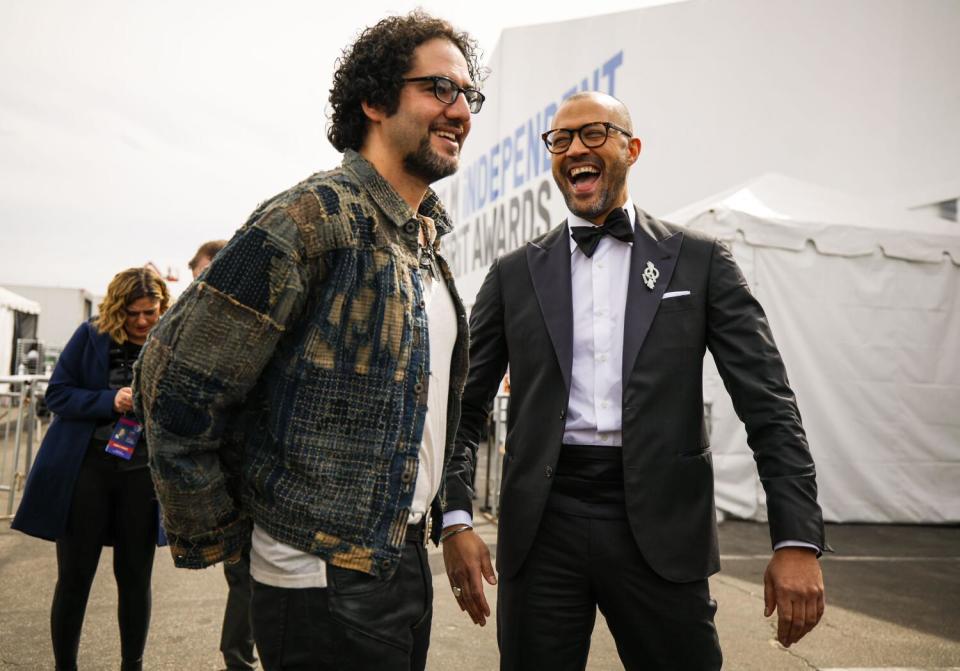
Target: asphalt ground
[{"x": 893, "y": 601}]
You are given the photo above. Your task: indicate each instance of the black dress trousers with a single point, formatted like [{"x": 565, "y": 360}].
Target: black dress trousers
[{"x": 584, "y": 557}]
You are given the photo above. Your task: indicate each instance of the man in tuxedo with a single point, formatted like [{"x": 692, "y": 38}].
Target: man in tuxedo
[{"x": 607, "y": 489}]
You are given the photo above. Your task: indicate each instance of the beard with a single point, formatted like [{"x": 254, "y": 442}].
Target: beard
[
  {"x": 589, "y": 211},
  {"x": 427, "y": 164},
  {"x": 614, "y": 177}
]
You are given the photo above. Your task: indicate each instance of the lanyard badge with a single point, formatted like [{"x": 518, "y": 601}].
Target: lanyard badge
[{"x": 126, "y": 435}]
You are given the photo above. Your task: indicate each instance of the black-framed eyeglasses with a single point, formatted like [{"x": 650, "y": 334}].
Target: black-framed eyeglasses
[
  {"x": 592, "y": 135},
  {"x": 446, "y": 91}
]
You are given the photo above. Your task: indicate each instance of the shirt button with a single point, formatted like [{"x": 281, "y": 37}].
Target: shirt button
[
  {"x": 602, "y": 357},
  {"x": 418, "y": 388},
  {"x": 410, "y": 227},
  {"x": 599, "y": 264},
  {"x": 548, "y": 471},
  {"x": 605, "y": 404},
  {"x": 605, "y": 438}
]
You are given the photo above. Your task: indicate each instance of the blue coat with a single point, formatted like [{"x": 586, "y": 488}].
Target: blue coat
[{"x": 79, "y": 395}]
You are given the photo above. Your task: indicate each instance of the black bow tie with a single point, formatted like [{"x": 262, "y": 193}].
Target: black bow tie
[{"x": 617, "y": 225}]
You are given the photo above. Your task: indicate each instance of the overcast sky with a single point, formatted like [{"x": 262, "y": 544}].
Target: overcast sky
[{"x": 133, "y": 131}]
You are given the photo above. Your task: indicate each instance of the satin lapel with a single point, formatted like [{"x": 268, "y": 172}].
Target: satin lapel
[
  {"x": 642, "y": 302},
  {"x": 549, "y": 264}
]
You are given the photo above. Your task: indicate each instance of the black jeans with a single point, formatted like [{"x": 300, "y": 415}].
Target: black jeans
[
  {"x": 115, "y": 505},
  {"x": 357, "y": 622}
]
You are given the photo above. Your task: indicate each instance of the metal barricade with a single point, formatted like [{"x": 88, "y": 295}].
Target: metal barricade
[
  {"x": 21, "y": 423},
  {"x": 496, "y": 443}
]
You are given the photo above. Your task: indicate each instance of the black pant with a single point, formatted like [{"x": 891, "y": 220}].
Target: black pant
[
  {"x": 545, "y": 614},
  {"x": 584, "y": 557},
  {"x": 108, "y": 505},
  {"x": 357, "y": 622},
  {"x": 236, "y": 636}
]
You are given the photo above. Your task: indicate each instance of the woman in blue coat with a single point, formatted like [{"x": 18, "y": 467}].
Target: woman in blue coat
[{"x": 90, "y": 485}]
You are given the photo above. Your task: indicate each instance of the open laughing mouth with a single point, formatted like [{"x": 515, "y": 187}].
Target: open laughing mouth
[
  {"x": 583, "y": 178},
  {"x": 450, "y": 138}
]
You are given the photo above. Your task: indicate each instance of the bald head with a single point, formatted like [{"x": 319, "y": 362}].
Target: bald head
[{"x": 616, "y": 110}]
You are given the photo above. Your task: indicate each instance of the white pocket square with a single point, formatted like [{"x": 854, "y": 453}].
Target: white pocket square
[{"x": 675, "y": 294}]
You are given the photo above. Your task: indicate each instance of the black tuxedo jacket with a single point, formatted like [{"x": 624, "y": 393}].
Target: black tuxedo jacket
[{"x": 523, "y": 317}]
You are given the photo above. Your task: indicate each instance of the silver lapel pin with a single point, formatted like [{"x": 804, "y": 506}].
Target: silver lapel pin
[{"x": 650, "y": 275}]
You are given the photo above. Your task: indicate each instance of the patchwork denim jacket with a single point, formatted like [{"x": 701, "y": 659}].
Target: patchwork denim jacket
[{"x": 292, "y": 375}]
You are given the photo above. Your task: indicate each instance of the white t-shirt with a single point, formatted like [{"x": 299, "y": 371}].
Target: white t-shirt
[{"x": 280, "y": 565}]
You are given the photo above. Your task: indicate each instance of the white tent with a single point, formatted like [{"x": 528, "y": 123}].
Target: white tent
[
  {"x": 864, "y": 303},
  {"x": 11, "y": 303}
]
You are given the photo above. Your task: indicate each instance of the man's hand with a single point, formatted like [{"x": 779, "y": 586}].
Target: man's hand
[
  {"x": 793, "y": 586},
  {"x": 467, "y": 558},
  {"x": 123, "y": 401}
]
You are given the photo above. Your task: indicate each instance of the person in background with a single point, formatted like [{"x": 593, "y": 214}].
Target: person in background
[
  {"x": 204, "y": 256},
  {"x": 90, "y": 485}
]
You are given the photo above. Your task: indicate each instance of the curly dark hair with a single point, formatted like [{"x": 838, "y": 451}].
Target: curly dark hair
[{"x": 371, "y": 70}]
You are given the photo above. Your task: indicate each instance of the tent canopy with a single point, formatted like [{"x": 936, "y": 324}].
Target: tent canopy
[
  {"x": 778, "y": 211},
  {"x": 18, "y": 303},
  {"x": 864, "y": 303}
]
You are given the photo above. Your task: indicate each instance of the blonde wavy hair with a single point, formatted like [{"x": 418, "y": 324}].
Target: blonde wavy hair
[{"x": 126, "y": 287}]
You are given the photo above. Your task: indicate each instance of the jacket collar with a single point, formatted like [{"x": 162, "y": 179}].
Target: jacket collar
[
  {"x": 549, "y": 262},
  {"x": 387, "y": 198}
]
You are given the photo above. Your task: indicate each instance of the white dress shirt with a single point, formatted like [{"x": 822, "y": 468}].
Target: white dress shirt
[{"x": 599, "y": 296}]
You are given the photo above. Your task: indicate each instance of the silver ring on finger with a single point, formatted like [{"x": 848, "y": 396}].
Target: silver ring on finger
[{"x": 457, "y": 592}]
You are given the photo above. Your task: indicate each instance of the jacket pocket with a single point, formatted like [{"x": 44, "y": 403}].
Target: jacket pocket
[{"x": 676, "y": 304}]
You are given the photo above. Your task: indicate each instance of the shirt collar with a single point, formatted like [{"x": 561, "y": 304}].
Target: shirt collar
[
  {"x": 573, "y": 220},
  {"x": 387, "y": 198}
]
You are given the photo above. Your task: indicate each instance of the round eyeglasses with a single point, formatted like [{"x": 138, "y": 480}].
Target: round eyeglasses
[
  {"x": 446, "y": 91},
  {"x": 592, "y": 135}
]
